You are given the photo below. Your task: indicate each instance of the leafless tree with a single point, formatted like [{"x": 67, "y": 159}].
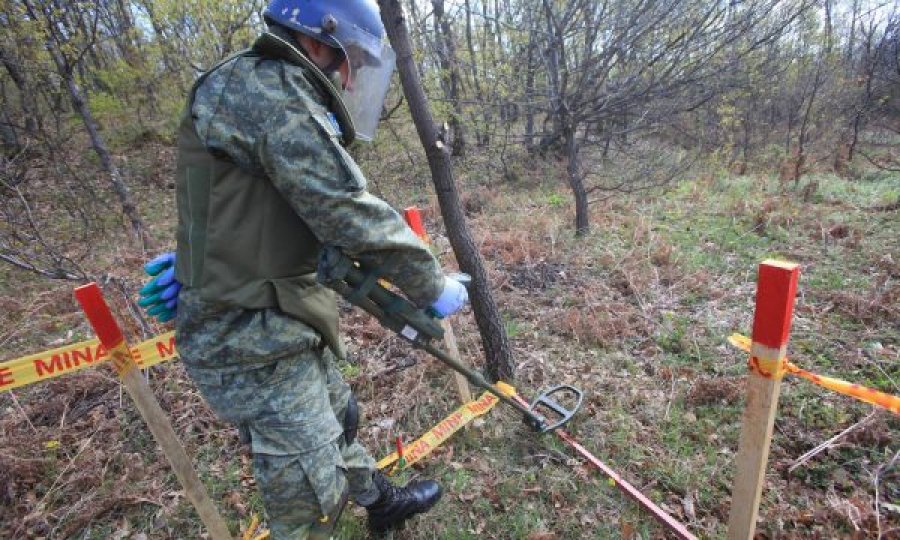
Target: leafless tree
[
  {"x": 52, "y": 15},
  {"x": 619, "y": 69},
  {"x": 493, "y": 334}
]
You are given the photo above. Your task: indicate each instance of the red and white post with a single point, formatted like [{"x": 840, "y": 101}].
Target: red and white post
[
  {"x": 776, "y": 289},
  {"x": 110, "y": 334}
]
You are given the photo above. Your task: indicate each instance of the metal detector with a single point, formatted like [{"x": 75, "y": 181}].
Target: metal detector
[{"x": 363, "y": 288}]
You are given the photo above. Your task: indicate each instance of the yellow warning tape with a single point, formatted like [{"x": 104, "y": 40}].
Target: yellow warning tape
[
  {"x": 423, "y": 446},
  {"x": 251, "y": 528},
  {"x": 857, "y": 391},
  {"x": 71, "y": 358},
  {"x": 434, "y": 437},
  {"x": 254, "y": 531}
]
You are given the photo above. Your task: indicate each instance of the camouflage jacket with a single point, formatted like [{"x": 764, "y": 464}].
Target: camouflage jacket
[{"x": 269, "y": 115}]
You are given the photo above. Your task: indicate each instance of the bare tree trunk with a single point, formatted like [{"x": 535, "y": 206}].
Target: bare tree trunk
[
  {"x": 529, "y": 86},
  {"x": 450, "y": 77},
  {"x": 18, "y": 78},
  {"x": 745, "y": 144},
  {"x": 851, "y": 40},
  {"x": 554, "y": 50},
  {"x": 162, "y": 40},
  {"x": 9, "y": 138},
  {"x": 115, "y": 177},
  {"x": 564, "y": 125},
  {"x": 493, "y": 334},
  {"x": 869, "y": 65},
  {"x": 803, "y": 135},
  {"x": 576, "y": 184},
  {"x": 476, "y": 78}
]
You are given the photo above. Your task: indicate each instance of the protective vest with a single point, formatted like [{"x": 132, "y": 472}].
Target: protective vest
[{"x": 240, "y": 244}]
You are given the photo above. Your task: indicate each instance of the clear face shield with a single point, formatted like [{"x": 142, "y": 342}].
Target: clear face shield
[{"x": 367, "y": 85}]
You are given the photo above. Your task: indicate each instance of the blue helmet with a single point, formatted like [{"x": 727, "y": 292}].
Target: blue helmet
[
  {"x": 355, "y": 27},
  {"x": 348, "y": 24}
]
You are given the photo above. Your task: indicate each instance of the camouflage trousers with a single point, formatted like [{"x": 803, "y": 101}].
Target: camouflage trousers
[{"x": 291, "y": 412}]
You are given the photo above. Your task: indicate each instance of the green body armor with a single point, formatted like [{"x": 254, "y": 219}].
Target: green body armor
[{"x": 240, "y": 244}]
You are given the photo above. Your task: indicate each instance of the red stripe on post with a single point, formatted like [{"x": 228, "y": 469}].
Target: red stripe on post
[
  {"x": 775, "y": 292},
  {"x": 414, "y": 219},
  {"x": 94, "y": 306}
]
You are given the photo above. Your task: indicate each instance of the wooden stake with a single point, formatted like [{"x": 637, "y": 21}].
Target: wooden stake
[
  {"x": 414, "y": 220},
  {"x": 776, "y": 289},
  {"x": 107, "y": 329},
  {"x": 462, "y": 385}
]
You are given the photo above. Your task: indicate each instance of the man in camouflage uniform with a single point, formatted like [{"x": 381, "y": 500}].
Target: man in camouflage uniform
[{"x": 263, "y": 181}]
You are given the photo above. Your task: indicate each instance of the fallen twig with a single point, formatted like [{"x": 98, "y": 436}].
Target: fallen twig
[
  {"x": 24, "y": 413},
  {"x": 877, "y": 480},
  {"x": 802, "y": 460},
  {"x": 405, "y": 363}
]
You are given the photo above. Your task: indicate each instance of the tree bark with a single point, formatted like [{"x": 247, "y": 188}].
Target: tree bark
[
  {"x": 18, "y": 78},
  {"x": 450, "y": 76},
  {"x": 499, "y": 363},
  {"x": 576, "y": 184}
]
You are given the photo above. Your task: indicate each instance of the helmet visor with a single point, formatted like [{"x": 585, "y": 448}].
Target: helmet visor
[{"x": 370, "y": 78}]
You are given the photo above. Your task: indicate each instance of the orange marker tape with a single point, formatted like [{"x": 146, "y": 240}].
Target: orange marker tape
[{"x": 856, "y": 391}]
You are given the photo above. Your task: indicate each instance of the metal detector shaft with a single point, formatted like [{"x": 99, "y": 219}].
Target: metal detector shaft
[
  {"x": 362, "y": 289},
  {"x": 535, "y": 420}
]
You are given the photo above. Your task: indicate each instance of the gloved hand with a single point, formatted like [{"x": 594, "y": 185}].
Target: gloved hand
[
  {"x": 160, "y": 295},
  {"x": 452, "y": 298}
]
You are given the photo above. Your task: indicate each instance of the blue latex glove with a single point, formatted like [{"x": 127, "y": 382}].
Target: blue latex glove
[
  {"x": 160, "y": 295},
  {"x": 452, "y": 298}
]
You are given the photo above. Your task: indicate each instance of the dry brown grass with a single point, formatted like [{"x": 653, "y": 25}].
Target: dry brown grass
[
  {"x": 875, "y": 306},
  {"x": 625, "y": 313},
  {"x": 715, "y": 391}
]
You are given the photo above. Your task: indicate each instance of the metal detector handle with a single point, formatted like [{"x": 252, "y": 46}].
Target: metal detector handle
[
  {"x": 362, "y": 288},
  {"x": 546, "y": 400}
]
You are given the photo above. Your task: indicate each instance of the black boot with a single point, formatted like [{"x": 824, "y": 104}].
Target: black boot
[{"x": 396, "y": 504}]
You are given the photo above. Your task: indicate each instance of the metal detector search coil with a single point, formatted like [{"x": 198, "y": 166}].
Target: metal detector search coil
[
  {"x": 546, "y": 401},
  {"x": 363, "y": 288}
]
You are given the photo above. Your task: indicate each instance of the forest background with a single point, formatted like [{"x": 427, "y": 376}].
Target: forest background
[{"x": 623, "y": 165}]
